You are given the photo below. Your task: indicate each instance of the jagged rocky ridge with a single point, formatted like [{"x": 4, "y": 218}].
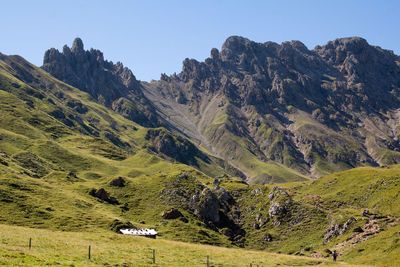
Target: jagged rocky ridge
[
  {"x": 110, "y": 84},
  {"x": 276, "y": 112},
  {"x": 114, "y": 86},
  {"x": 314, "y": 111}
]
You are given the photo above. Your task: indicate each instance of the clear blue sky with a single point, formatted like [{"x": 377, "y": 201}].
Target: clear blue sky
[{"x": 152, "y": 37}]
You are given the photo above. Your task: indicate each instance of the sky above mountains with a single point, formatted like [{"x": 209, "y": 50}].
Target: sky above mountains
[{"x": 153, "y": 37}]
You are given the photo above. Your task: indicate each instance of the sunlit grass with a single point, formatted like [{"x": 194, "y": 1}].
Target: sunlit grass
[{"x": 71, "y": 248}]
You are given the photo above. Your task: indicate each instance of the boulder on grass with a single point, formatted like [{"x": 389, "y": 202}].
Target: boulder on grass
[
  {"x": 172, "y": 214},
  {"x": 102, "y": 194},
  {"x": 119, "y": 182}
]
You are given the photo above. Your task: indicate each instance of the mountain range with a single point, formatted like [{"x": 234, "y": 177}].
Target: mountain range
[
  {"x": 263, "y": 146},
  {"x": 275, "y": 112}
]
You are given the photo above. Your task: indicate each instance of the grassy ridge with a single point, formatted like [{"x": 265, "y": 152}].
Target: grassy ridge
[
  {"x": 376, "y": 189},
  {"x": 344, "y": 195}
]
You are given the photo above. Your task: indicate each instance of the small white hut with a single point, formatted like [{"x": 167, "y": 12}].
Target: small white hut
[{"x": 150, "y": 233}]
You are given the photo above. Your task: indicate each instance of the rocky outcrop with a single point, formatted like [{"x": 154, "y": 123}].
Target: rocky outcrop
[
  {"x": 215, "y": 207},
  {"x": 207, "y": 206},
  {"x": 118, "y": 182},
  {"x": 277, "y": 210},
  {"x": 172, "y": 214},
  {"x": 280, "y": 200},
  {"x": 110, "y": 84},
  {"x": 280, "y": 204},
  {"x": 103, "y": 195},
  {"x": 337, "y": 230},
  {"x": 371, "y": 228}
]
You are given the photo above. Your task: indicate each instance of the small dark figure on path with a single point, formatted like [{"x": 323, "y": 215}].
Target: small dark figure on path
[
  {"x": 365, "y": 213},
  {"x": 334, "y": 255}
]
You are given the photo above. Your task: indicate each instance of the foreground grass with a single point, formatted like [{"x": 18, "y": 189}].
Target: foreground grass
[{"x": 108, "y": 249}]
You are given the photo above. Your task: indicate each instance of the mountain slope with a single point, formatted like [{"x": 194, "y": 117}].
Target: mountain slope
[
  {"x": 69, "y": 163},
  {"x": 280, "y": 112},
  {"x": 115, "y": 87},
  {"x": 274, "y": 112},
  {"x": 57, "y": 144}
]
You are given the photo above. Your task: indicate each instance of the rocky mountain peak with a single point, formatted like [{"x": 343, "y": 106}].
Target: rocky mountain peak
[
  {"x": 77, "y": 45},
  {"x": 295, "y": 46},
  {"x": 235, "y": 46},
  {"x": 236, "y": 43},
  {"x": 214, "y": 54},
  {"x": 110, "y": 84},
  {"x": 370, "y": 72},
  {"x": 88, "y": 71},
  {"x": 288, "y": 101},
  {"x": 295, "y": 74},
  {"x": 356, "y": 50},
  {"x": 335, "y": 52}
]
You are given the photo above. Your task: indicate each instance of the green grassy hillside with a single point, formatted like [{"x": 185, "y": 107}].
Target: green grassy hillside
[
  {"x": 71, "y": 249},
  {"x": 57, "y": 144},
  {"x": 344, "y": 196},
  {"x": 376, "y": 189},
  {"x": 61, "y": 153},
  {"x": 240, "y": 149},
  {"x": 307, "y": 211}
]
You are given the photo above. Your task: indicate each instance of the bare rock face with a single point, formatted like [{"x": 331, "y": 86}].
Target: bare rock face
[
  {"x": 105, "y": 81},
  {"x": 310, "y": 110},
  {"x": 208, "y": 207},
  {"x": 280, "y": 204},
  {"x": 88, "y": 71},
  {"x": 293, "y": 105},
  {"x": 369, "y": 70},
  {"x": 277, "y": 209}
]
